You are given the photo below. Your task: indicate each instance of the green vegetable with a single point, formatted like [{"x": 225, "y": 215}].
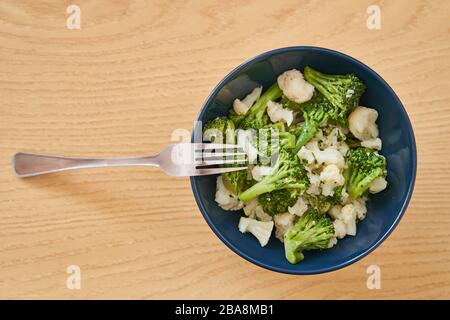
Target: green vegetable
[
  {"x": 316, "y": 113},
  {"x": 256, "y": 117},
  {"x": 342, "y": 91},
  {"x": 235, "y": 181},
  {"x": 273, "y": 137},
  {"x": 287, "y": 173},
  {"x": 220, "y": 130},
  {"x": 363, "y": 166},
  {"x": 320, "y": 202},
  {"x": 312, "y": 231},
  {"x": 278, "y": 201}
]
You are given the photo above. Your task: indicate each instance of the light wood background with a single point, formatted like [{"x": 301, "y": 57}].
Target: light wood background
[{"x": 136, "y": 71}]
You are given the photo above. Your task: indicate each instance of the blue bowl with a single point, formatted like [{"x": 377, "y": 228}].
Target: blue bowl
[{"x": 384, "y": 210}]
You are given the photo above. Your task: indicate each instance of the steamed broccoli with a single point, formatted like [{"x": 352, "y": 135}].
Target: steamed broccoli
[
  {"x": 287, "y": 173},
  {"x": 278, "y": 201},
  {"x": 273, "y": 137},
  {"x": 316, "y": 113},
  {"x": 235, "y": 181},
  {"x": 257, "y": 117},
  {"x": 363, "y": 166},
  {"x": 320, "y": 202},
  {"x": 342, "y": 91},
  {"x": 312, "y": 231},
  {"x": 220, "y": 130}
]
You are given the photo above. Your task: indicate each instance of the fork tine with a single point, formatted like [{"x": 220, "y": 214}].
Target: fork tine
[
  {"x": 222, "y": 154},
  {"x": 208, "y": 171},
  {"x": 215, "y": 146},
  {"x": 213, "y": 162}
]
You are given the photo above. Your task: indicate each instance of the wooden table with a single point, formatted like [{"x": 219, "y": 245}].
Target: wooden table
[{"x": 137, "y": 70}]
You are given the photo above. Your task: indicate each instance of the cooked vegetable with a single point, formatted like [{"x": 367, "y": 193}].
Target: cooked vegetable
[
  {"x": 256, "y": 117},
  {"x": 343, "y": 91},
  {"x": 278, "y": 201},
  {"x": 260, "y": 229},
  {"x": 312, "y": 231},
  {"x": 313, "y": 160},
  {"x": 220, "y": 130},
  {"x": 363, "y": 167},
  {"x": 287, "y": 173}
]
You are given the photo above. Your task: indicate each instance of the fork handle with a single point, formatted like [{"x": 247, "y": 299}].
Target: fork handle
[{"x": 30, "y": 164}]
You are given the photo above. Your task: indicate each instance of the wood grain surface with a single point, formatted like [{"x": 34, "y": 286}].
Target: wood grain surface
[{"x": 137, "y": 70}]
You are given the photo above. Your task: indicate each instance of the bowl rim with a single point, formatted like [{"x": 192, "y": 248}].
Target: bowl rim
[{"x": 259, "y": 58}]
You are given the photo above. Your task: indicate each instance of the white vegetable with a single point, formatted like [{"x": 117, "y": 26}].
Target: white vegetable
[
  {"x": 276, "y": 113},
  {"x": 244, "y": 139},
  {"x": 258, "y": 172},
  {"x": 360, "y": 207},
  {"x": 249, "y": 208},
  {"x": 372, "y": 143},
  {"x": 254, "y": 210},
  {"x": 361, "y": 123},
  {"x": 331, "y": 177},
  {"x": 241, "y": 107},
  {"x": 378, "y": 185},
  {"x": 340, "y": 229},
  {"x": 294, "y": 86},
  {"x": 283, "y": 222},
  {"x": 312, "y": 154},
  {"x": 314, "y": 182},
  {"x": 225, "y": 199},
  {"x": 299, "y": 208},
  {"x": 261, "y": 230}
]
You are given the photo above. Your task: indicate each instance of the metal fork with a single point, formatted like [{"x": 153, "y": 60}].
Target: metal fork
[{"x": 183, "y": 159}]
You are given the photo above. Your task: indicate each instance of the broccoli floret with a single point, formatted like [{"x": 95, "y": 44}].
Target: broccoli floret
[
  {"x": 363, "y": 166},
  {"x": 273, "y": 137},
  {"x": 320, "y": 202},
  {"x": 312, "y": 231},
  {"x": 256, "y": 117},
  {"x": 343, "y": 91},
  {"x": 287, "y": 173},
  {"x": 235, "y": 181},
  {"x": 220, "y": 130},
  {"x": 278, "y": 201},
  {"x": 316, "y": 113}
]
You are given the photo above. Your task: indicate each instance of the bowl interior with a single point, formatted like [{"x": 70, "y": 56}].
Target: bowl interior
[{"x": 384, "y": 210}]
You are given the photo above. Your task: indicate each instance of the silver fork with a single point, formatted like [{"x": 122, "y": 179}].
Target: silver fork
[{"x": 183, "y": 159}]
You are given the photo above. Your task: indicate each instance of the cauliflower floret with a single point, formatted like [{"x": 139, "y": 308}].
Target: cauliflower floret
[
  {"x": 294, "y": 86},
  {"x": 372, "y": 143},
  {"x": 312, "y": 154},
  {"x": 249, "y": 208},
  {"x": 258, "y": 172},
  {"x": 276, "y": 113},
  {"x": 254, "y": 210},
  {"x": 378, "y": 185},
  {"x": 360, "y": 207},
  {"x": 226, "y": 199},
  {"x": 361, "y": 123},
  {"x": 299, "y": 208},
  {"x": 335, "y": 139},
  {"x": 283, "y": 222},
  {"x": 340, "y": 229},
  {"x": 241, "y": 107},
  {"x": 331, "y": 177},
  {"x": 345, "y": 217},
  {"x": 260, "y": 229},
  {"x": 314, "y": 182},
  {"x": 244, "y": 139}
]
